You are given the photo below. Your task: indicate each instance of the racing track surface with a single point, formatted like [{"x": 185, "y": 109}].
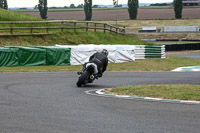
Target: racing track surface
[
  {"x": 195, "y": 55},
  {"x": 51, "y": 103}
]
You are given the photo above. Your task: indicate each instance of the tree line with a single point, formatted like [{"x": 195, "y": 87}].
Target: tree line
[{"x": 133, "y": 6}]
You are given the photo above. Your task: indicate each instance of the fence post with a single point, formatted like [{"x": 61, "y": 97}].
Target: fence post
[
  {"x": 11, "y": 28},
  {"x": 62, "y": 26},
  {"x": 110, "y": 29},
  {"x": 32, "y": 28},
  {"x": 124, "y": 30},
  {"x": 86, "y": 26},
  {"x": 116, "y": 30},
  {"x": 47, "y": 27},
  {"x": 95, "y": 25},
  {"x": 74, "y": 26},
  {"x": 104, "y": 28}
]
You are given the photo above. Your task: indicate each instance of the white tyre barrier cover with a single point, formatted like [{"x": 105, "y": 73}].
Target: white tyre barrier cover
[{"x": 117, "y": 53}]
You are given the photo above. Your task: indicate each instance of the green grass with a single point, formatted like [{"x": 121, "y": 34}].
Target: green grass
[
  {"x": 167, "y": 64},
  {"x": 6, "y": 15},
  {"x": 182, "y": 92},
  {"x": 135, "y": 25},
  {"x": 40, "y": 68},
  {"x": 138, "y": 24},
  {"x": 71, "y": 38},
  {"x": 183, "y": 52}
]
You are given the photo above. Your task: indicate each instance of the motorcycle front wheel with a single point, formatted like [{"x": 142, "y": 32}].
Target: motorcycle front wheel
[{"x": 82, "y": 79}]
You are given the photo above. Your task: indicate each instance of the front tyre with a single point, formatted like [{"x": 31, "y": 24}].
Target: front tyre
[{"x": 83, "y": 78}]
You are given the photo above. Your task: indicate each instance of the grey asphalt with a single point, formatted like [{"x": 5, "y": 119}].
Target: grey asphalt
[
  {"x": 195, "y": 55},
  {"x": 51, "y": 103}
]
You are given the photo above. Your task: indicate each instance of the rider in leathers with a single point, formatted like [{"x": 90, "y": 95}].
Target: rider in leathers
[{"x": 101, "y": 60}]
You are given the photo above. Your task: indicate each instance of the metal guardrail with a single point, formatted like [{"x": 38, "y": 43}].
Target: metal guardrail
[{"x": 13, "y": 28}]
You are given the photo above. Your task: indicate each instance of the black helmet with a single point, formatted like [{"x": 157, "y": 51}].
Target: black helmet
[{"x": 104, "y": 51}]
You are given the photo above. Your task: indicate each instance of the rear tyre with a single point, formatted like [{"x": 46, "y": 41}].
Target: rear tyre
[{"x": 83, "y": 78}]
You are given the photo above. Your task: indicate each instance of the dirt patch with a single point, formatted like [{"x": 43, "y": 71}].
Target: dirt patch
[{"x": 190, "y": 13}]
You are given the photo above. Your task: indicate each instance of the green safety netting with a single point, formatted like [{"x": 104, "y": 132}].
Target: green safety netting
[
  {"x": 8, "y": 57},
  {"x": 27, "y": 56},
  {"x": 56, "y": 55},
  {"x": 31, "y": 56},
  {"x": 34, "y": 56}
]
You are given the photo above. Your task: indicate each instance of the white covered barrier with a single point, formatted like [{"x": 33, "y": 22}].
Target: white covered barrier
[
  {"x": 117, "y": 53},
  {"x": 139, "y": 51}
]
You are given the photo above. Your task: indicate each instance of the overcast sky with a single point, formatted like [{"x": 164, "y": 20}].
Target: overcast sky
[{"x": 62, "y": 3}]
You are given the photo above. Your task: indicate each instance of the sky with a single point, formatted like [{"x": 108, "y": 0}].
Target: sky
[{"x": 62, "y": 3}]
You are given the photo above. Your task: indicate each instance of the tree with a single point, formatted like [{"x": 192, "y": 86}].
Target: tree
[
  {"x": 3, "y": 4},
  {"x": 133, "y": 8},
  {"x": 72, "y": 6},
  {"x": 159, "y": 4},
  {"x": 42, "y": 6},
  {"x": 80, "y": 6},
  {"x": 36, "y": 7},
  {"x": 118, "y": 5},
  {"x": 95, "y": 6},
  {"x": 178, "y": 7},
  {"x": 88, "y": 9}
]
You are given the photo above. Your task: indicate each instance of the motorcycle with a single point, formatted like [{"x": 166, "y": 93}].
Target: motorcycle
[{"x": 88, "y": 75}]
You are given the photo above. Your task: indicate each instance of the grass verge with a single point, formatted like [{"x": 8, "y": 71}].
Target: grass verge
[
  {"x": 7, "y": 15},
  {"x": 68, "y": 37},
  {"x": 183, "y": 52},
  {"x": 181, "y": 92},
  {"x": 40, "y": 68},
  {"x": 71, "y": 38},
  {"x": 132, "y": 27},
  {"x": 167, "y": 64},
  {"x": 138, "y": 24}
]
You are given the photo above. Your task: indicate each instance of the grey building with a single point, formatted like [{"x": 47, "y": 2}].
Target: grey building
[{"x": 191, "y": 2}]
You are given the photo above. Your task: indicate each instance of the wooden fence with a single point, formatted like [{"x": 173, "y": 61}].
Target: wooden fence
[{"x": 48, "y": 27}]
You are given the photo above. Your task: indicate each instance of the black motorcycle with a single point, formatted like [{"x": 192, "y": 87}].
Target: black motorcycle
[{"x": 88, "y": 75}]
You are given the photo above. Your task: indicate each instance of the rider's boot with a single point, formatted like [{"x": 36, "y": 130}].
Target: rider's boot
[{"x": 79, "y": 73}]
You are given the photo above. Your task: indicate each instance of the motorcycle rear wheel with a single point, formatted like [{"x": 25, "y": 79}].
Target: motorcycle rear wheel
[{"x": 83, "y": 78}]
